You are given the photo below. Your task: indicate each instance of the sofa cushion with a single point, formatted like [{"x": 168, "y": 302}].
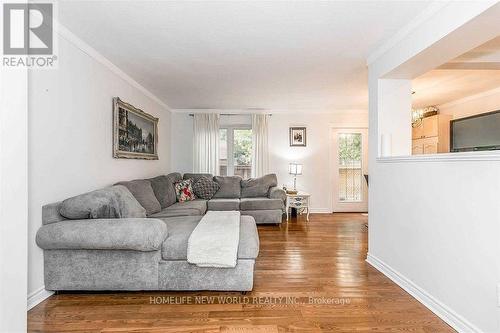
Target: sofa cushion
[
  {"x": 205, "y": 188},
  {"x": 230, "y": 186},
  {"x": 196, "y": 176},
  {"x": 174, "y": 213},
  {"x": 141, "y": 189},
  {"x": 258, "y": 187},
  {"x": 51, "y": 214},
  {"x": 223, "y": 204},
  {"x": 199, "y": 205},
  {"x": 187, "y": 208},
  {"x": 139, "y": 234},
  {"x": 184, "y": 190},
  {"x": 276, "y": 192},
  {"x": 260, "y": 204},
  {"x": 110, "y": 202},
  {"x": 265, "y": 216},
  {"x": 163, "y": 188},
  {"x": 180, "y": 228}
]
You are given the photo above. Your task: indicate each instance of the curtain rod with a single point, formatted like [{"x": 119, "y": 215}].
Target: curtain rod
[{"x": 234, "y": 114}]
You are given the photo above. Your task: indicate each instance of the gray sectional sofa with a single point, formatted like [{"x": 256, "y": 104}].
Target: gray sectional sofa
[{"x": 134, "y": 235}]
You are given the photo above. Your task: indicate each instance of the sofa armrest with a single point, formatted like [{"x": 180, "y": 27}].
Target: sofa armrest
[
  {"x": 138, "y": 234},
  {"x": 276, "y": 192}
]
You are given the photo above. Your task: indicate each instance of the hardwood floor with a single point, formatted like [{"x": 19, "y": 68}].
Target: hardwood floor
[{"x": 323, "y": 259}]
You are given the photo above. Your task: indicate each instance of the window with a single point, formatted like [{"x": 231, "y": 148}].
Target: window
[
  {"x": 235, "y": 151},
  {"x": 223, "y": 152},
  {"x": 350, "y": 171},
  {"x": 242, "y": 152}
]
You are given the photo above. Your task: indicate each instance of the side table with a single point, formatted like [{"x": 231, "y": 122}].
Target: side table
[{"x": 298, "y": 201}]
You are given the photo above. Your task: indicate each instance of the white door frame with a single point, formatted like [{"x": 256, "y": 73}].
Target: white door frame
[{"x": 333, "y": 163}]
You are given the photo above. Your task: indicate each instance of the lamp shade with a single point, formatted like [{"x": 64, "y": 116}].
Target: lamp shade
[{"x": 295, "y": 168}]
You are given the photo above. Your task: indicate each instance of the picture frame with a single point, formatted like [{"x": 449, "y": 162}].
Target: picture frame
[
  {"x": 135, "y": 132},
  {"x": 298, "y": 137}
]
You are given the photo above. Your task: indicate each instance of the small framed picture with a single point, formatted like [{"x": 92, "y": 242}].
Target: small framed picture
[{"x": 297, "y": 136}]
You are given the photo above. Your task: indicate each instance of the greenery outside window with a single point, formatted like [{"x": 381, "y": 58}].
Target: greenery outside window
[
  {"x": 350, "y": 168},
  {"x": 235, "y": 151}
]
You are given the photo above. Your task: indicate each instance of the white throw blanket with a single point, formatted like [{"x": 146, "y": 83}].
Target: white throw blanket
[{"x": 214, "y": 241}]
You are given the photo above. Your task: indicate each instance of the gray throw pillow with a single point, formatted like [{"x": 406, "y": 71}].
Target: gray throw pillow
[
  {"x": 141, "y": 189},
  {"x": 196, "y": 176},
  {"x": 163, "y": 187},
  {"x": 229, "y": 187},
  {"x": 110, "y": 202},
  {"x": 258, "y": 187},
  {"x": 205, "y": 188}
]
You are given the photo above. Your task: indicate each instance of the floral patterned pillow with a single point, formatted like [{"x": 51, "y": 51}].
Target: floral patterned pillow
[{"x": 184, "y": 190}]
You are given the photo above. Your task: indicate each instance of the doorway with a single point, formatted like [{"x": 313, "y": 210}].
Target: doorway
[{"x": 349, "y": 167}]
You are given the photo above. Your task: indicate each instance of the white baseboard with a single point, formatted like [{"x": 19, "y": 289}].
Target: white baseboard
[
  {"x": 452, "y": 318},
  {"x": 321, "y": 210},
  {"x": 38, "y": 296}
]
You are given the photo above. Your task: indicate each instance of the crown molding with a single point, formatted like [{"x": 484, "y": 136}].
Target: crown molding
[
  {"x": 231, "y": 111},
  {"x": 426, "y": 14},
  {"x": 273, "y": 111},
  {"x": 65, "y": 33}
]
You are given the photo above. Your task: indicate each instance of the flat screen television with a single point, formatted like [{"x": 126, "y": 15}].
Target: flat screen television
[{"x": 478, "y": 132}]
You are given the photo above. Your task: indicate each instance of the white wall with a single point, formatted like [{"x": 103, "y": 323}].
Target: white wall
[
  {"x": 480, "y": 103},
  {"x": 315, "y": 157},
  {"x": 70, "y": 136},
  {"x": 181, "y": 142},
  {"x": 13, "y": 199},
  {"x": 434, "y": 222}
]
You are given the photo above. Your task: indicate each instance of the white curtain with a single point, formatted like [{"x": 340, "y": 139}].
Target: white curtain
[
  {"x": 260, "y": 150},
  {"x": 206, "y": 143}
]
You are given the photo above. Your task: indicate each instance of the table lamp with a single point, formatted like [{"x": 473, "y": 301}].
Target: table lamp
[{"x": 295, "y": 169}]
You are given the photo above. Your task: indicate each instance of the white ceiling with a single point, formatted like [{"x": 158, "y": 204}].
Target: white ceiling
[
  {"x": 474, "y": 72},
  {"x": 238, "y": 55}
]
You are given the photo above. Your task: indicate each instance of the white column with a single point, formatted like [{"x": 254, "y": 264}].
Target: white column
[
  {"x": 13, "y": 199},
  {"x": 394, "y": 117}
]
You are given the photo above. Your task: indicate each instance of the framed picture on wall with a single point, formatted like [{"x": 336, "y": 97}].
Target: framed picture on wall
[
  {"x": 135, "y": 132},
  {"x": 297, "y": 136}
]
